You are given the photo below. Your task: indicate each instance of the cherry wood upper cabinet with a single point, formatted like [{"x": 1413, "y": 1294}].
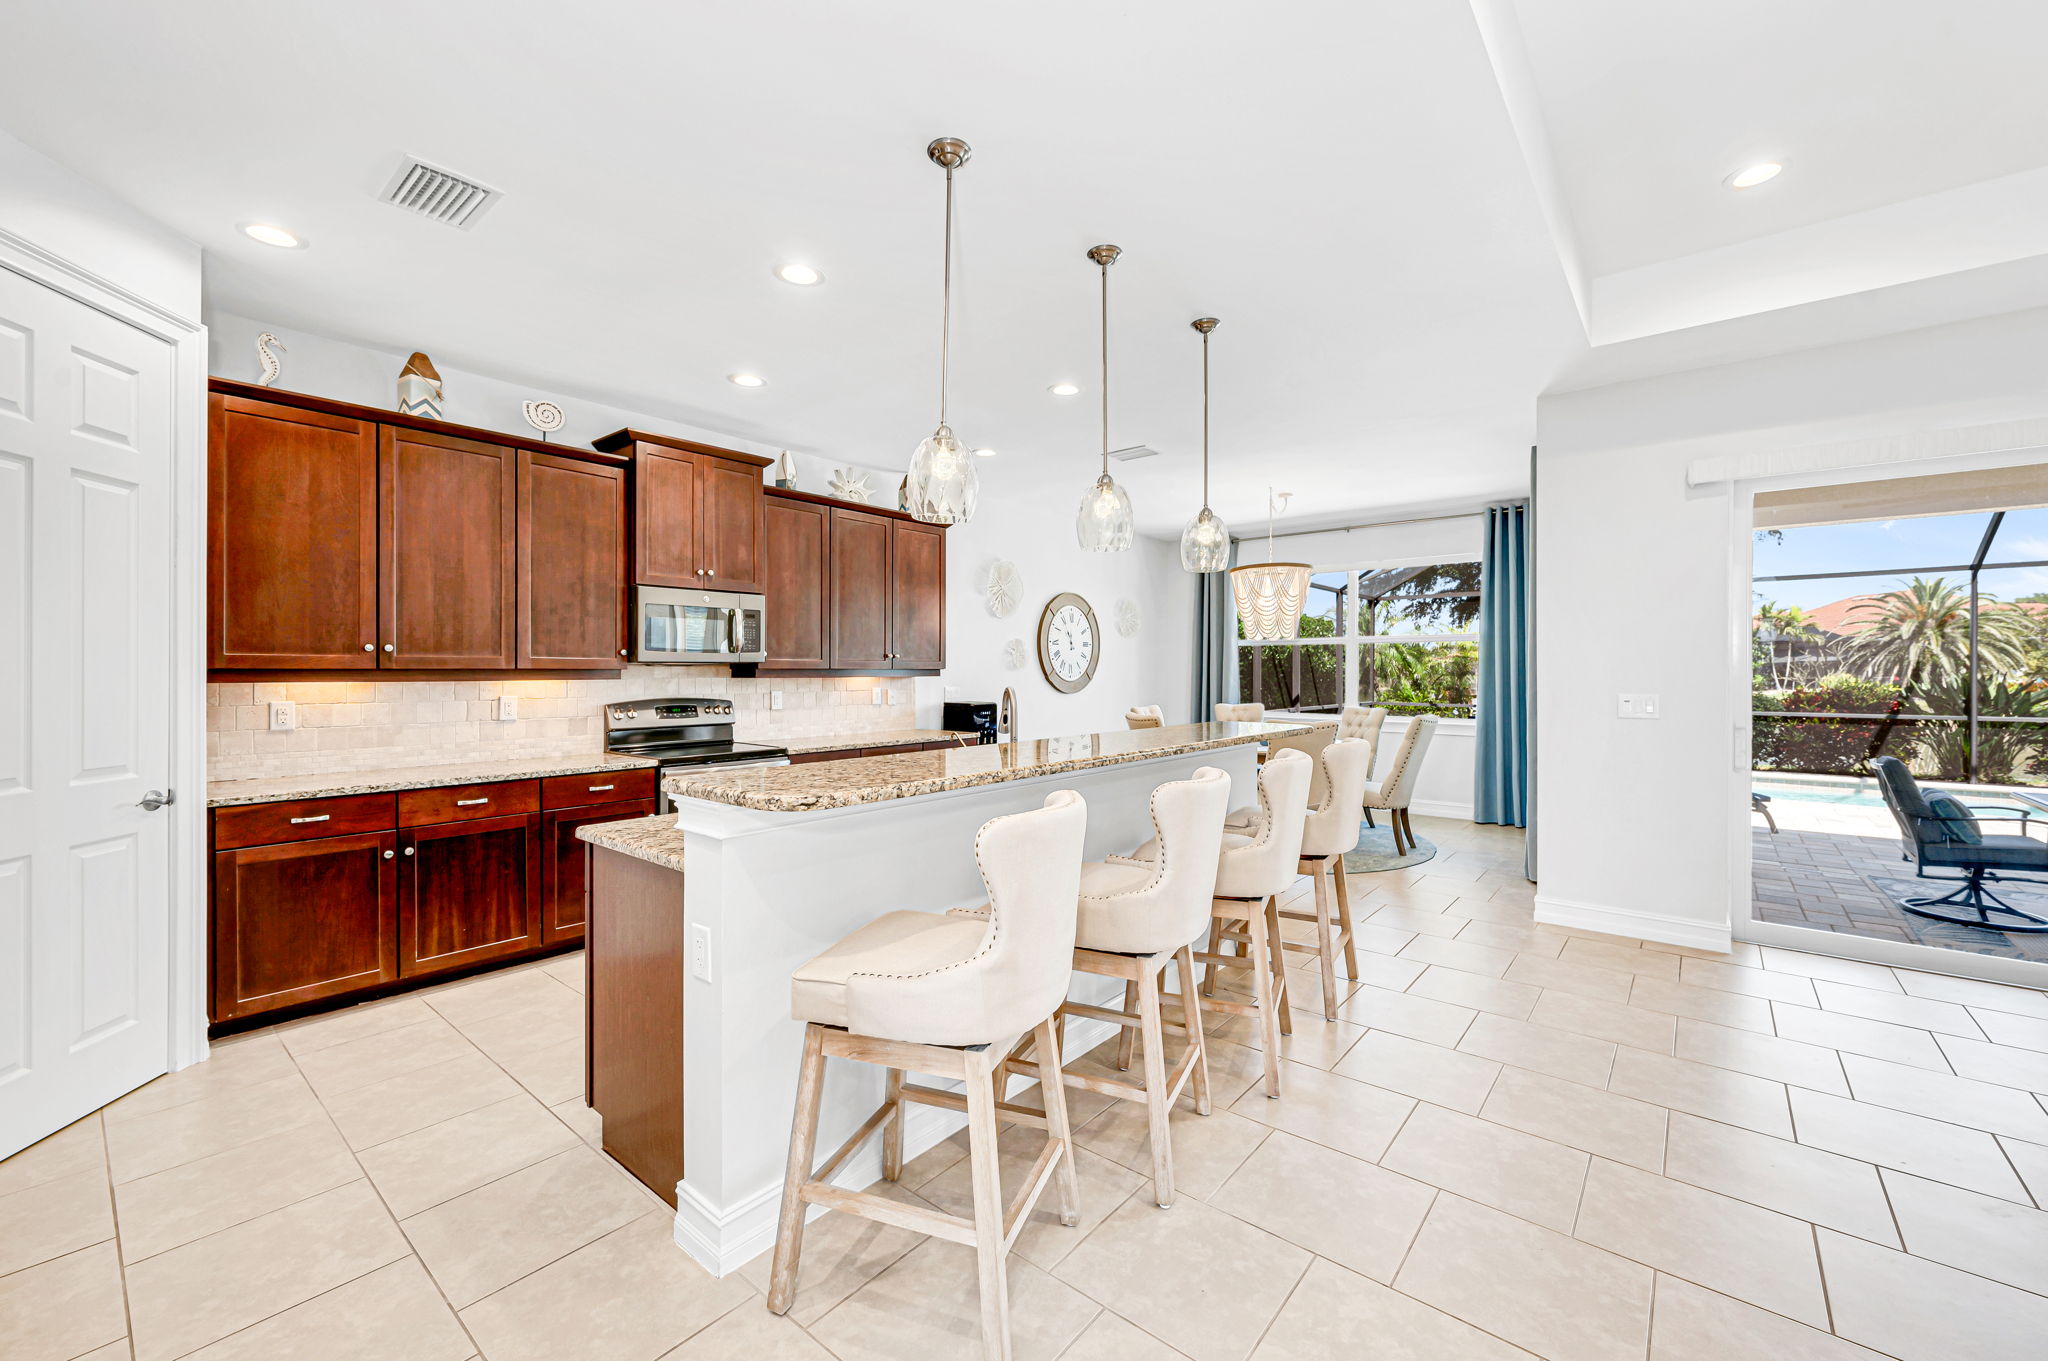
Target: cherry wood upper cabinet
[
  {"x": 696, "y": 512},
  {"x": 917, "y": 596},
  {"x": 572, "y": 563},
  {"x": 291, "y": 537},
  {"x": 448, "y": 559},
  {"x": 858, "y": 588},
  {"x": 795, "y": 541}
]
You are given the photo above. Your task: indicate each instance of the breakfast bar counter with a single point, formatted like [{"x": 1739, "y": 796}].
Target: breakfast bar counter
[{"x": 690, "y": 967}]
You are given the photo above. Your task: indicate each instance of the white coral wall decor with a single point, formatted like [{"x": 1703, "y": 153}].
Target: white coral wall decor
[
  {"x": 1005, "y": 587},
  {"x": 1014, "y": 655},
  {"x": 849, "y": 485},
  {"x": 1129, "y": 618}
]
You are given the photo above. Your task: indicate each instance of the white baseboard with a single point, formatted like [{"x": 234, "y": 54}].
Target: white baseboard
[
  {"x": 1440, "y": 808},
  {"x": 723, "y": 1242},
  {"x": 1627, "y": 921}
]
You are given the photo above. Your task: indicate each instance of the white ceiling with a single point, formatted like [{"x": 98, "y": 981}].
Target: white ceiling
[{"x": 1344, "y": 184}]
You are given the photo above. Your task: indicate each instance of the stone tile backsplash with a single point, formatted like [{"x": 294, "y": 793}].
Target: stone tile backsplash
[{"x": 373, "y": 724}]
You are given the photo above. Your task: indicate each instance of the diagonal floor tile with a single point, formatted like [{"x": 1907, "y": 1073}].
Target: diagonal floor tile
[
  {"x": 629, "y": 1296},
  {"x": 385, "y": 1110},
  {"x": 353, "y": 1023},
  {"x": 241, "y": 1063},
  {"x": 1958, "y": 1100},
  {"x": 1702, "y": 1004},
  {"x": 1358, "y": 1215},
  {"x": 1624, "y": 958},
  {"x": 1753, "y": 1254},
  {"x": 927, "y": 1305},
  {"x": 1855, "y": 1035},
  {"x": 1829, "y": 967},
  {"x": 1702, "y": 1089},
  {"x": 1112, "y": 1338},
  {"x": 1497, "y": 1166},
  {"x": 751, "y": 1333},
  {"x": 387, "y": 1054},
  {"x": 192, "y": 1295},
  {"x": 176, "y": 1206},
  {"x": 1104, "y": 1185},
  {"x": 1561, "y": 975},
  {"x": 54, "y": 1218},
  {"x": 1945, "y": 1018},
  {"x": 1206, "y": 1148},
  {"x": 1922, "y": 1311},
  {"x": 1419, "y": 1018},
  {"x": 1335, "y": 1111},
  {"x": 842, "y": 1253},
  {"x": 1496, "y": 995},
  {"x": 1997, "y": 1063},
  {"x": 1982, "y": 1234},
  {"x": 64, "y": 1307},
  {"x": 1542, "y": 1048},
  {"x": 1794, "y": 1179},
  {"x": 1765, "y": 1056},
  {"x": 1616, "y": 1021},
  {"x": 2031, "y": 1162},
  {"x": 1749, "y": 982},
  {"x": 1906, "y": 1143},
  {"x": 1561, "y": 1299},
  {"x": 1693, "y": 1324},
  {"x": 78, "y": 1147},
  {"x": 213, "y": 1124},
  {"x": 1577, "y": 1116},
  {"x": 1332, "y": 1311},
  {"x": 392, "y": 1314},
  {"x": 1197, "y": 1279},
  {"x": 1426, "y": 1071},
  {"x": 1457, "y": 953},
  {"x": 442, "y": 1161},
  {"x": 1975, "y": 992},
  {"x": 2022, "y": 1032}
]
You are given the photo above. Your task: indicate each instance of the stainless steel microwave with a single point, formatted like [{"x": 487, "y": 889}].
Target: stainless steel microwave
[{"x": 675, "y": 624}]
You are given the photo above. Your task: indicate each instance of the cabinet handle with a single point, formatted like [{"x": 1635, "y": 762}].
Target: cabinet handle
[
  {"x": 390, "y": 648},
  {"x": 408, "y": 850},
  {"x": 389, "y": 854},
  {"x": 369, "y": 647},
  {"x": 600, "y": 788},
  {"x": 321, "y": 818},
  {"x": 469, "y": 803}
]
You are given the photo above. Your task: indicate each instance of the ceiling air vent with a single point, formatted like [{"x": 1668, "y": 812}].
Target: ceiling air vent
[
  {"x": 1134, "y": 453},
  {"x": 439, "y": 194}
]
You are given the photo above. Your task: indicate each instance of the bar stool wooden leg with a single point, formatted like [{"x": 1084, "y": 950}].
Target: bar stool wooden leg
[
  {"x": 1215, "y": 948},
  {"x": 1344, "y": 922},
  {"x": 803, "y": 1139},
  {"x": 892, "y": 1133},
  {"x": 1127, "y": 1036},
  {"x": 1269, "y": 1006},
  {"x": 1278, "y": 951},
  {"x": 1158, "y": 1096},
  {"x": 1051, "y": 1050},
  {"x": 1191, "y": 1017},
  {"x": 1326, "y": 954},
  {"x": 982, "y": 1131}
]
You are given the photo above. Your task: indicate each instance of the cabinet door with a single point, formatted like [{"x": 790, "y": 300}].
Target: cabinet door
[
  {"x": 917, "y": 596},
  {"x": 729, "y": 521},
  {"x": 468, "y": 892},
  {"x": 291, "y": 542},
  {"x": 449, "y": 535},
  {"x": 665, "y": 547},
  {"x": 795, "y": 538},
  {"x": 859, "y": 591},
  {"x": 562, "y": 874},
  {"x": 302, "y": 920},
  {"x": 572, "y": 562}
]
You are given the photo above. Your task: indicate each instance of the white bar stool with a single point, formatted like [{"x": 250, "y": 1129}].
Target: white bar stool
[
  {"x": 948, "y": 995},
  {"x": 1138, "y": 914},
  {"x": 1329, "y": 832},
  {"x": 1252, "y": 870}
]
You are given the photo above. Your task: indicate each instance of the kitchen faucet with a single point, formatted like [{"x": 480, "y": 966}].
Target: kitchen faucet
[{"x": 1006, "y": 714}]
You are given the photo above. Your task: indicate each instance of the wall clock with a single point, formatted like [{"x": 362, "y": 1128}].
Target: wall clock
[{"x": 1067, "y": 643}]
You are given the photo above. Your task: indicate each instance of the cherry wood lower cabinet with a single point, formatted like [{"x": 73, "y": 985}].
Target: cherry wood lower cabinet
[{"x": 326, "y": 900}]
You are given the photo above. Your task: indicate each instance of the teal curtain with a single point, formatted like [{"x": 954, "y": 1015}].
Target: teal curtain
[
  {"x": 1502, "y": 777},
  {"x": 1215, "y": 642}
]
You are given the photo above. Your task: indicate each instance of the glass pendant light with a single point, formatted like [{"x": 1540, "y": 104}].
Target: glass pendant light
[
  {"x": 943, "y": 486},
  {"x": 1205, "y": 543},
  {"x": 1270, "y": 595},
  {"x": 1104, "y": 524}
]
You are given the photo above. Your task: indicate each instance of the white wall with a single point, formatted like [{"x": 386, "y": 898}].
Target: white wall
[
  {"x": 1641, "y": 587},
  {"x": 63, "y": 215},
  {"x": 1023, "y": 517}
]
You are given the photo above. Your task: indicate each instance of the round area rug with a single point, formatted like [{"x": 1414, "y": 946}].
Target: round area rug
[{"x": 1376, "y": 852}]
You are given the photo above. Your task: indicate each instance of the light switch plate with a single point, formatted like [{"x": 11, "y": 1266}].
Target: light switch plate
[
  {"x": 508, "y": 708},
  {"x": 876, "y": 695},
  {"x": 284, "y": 716},
  {"x": 1637, "y": 706},
  {"x": 775, "y": 699}
]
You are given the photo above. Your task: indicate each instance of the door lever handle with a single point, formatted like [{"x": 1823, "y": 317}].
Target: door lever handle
[{"x": 157, "y": 798}]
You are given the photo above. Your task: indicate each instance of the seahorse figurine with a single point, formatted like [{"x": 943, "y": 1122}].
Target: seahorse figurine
[{"x": 264, "y": 344}]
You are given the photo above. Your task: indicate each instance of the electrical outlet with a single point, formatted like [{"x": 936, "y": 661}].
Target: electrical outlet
[
  {"x": 284, "y": 716},
  {"x": 700, "y": 952},
  {"x": 508, "y": 708},
  {"x": 892, "y": 696},
  {"x": 1637, "y": 706},
  {"x": 875, "y": 695},
  {"x": 775, "y": 699}
]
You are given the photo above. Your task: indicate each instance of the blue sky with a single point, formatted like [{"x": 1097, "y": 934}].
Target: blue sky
[{"x": 1883, "y": 547}]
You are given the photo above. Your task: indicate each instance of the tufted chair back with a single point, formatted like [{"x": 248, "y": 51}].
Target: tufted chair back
[
  {"x": 1240, "y": 713},
  {"x": 1265, "y": 862},
  {"x": 1160, "y": 902},
  {"x": 1145, "y": 716},
  {"x": 1331, "y": 827}
]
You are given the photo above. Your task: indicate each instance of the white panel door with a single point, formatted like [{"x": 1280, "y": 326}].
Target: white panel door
[{"x": 85, "y": 707}]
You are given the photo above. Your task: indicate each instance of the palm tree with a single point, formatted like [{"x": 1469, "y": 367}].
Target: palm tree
[
  {"x": 1920, "y": 635},
  {"x": 1787, "y": 624}
]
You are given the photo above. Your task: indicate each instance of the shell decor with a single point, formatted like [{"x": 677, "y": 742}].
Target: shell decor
[
  {"x": 265, "y": 343},
  {"x": 419, "y": 388},
  {"x": 1005, "y": 587},
  {"x": 849, "y": 485},
  {"x": 1129, "y": 618},
  {"x": 1014, "y": 655},
  {"x": 785, "y": 472},
  {"x": 543, "y": 416}
]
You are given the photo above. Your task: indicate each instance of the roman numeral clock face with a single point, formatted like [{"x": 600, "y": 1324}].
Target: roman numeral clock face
[{"x": 1067, "y": 643}]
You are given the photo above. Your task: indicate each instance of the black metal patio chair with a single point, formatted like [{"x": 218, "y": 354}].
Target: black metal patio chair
[{"x": 1950, "y": 837}]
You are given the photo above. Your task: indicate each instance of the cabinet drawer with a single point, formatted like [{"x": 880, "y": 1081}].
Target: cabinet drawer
[
  {"x": 459, "y": 803},
  {"x": 610, "y": 786},
  {"x": 268, "y": 824}
]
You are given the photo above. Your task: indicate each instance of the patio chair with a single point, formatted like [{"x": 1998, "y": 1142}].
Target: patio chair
[
  {"x": 1761, "y": 803},
  {"x": 1940, "y": 833}
]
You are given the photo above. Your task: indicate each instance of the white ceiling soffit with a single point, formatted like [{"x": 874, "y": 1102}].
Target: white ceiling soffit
[{"x": 1914, "y": 139}]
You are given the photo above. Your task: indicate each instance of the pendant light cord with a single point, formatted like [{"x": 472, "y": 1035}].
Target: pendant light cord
[
  {"x": 1105, "y": 368},
  {"x": 1205, "y": 420},
  {"x": 946, "y": 306}
]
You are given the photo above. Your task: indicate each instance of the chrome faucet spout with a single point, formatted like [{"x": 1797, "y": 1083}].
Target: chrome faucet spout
[{"x": 1006, "y": 714}]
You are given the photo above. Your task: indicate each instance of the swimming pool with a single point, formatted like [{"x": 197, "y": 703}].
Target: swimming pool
[{"x": 1852, "y": 793}]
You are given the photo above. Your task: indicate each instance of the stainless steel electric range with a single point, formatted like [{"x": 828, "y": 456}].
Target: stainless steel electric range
[{"x": 682, "y": 734}]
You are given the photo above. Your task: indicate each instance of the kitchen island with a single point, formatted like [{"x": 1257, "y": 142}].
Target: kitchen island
[{"x": 695, "y": 928}]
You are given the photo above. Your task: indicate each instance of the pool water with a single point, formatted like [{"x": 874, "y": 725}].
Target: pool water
[{"x": 1857, "y": 794}]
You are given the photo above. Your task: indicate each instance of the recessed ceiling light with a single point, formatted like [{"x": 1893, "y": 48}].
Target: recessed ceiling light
[
  {"x": 746, "y": 380},
  {"x": 803, "y": 276},
  {"x": 984, "y": 453},
  {"x": 1749, "y": 177},
  {"x": 271, "y": 236},
  {"x": 1063, "y": 389}
]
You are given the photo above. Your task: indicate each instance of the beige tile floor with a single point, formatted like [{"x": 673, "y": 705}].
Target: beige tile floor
[{"x": 1515, "y": 1141}]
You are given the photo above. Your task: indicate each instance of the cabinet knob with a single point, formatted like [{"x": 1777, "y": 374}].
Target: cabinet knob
[
  {"x": 710, "y": 571},
  {"x": 389, "y": 854},
  {"x": 408, "y": 850},
  {"x": 622, "y": 652},
  {"x": 388, "y": 647},
  {"x": 369, "y": 647}
]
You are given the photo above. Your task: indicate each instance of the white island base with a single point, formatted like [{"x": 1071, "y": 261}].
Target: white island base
[{"x": 766, "y": 891}]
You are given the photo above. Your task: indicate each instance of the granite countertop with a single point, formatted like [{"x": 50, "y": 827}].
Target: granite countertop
[
  {"x": 877, "y": 779},
  {"x": 657, "y": 839},
  {"x": 801, "y": 745},
  {"x": 224, "y": 793}
]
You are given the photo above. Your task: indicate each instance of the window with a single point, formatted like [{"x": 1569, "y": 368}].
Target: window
[{"x": 1401, "y": 637}]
